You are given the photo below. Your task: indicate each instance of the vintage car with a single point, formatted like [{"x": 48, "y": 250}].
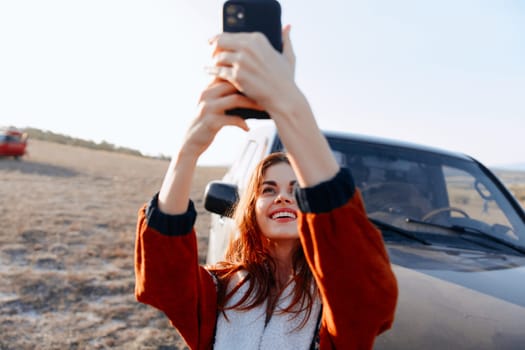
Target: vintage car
[
  {"x": 13, "y": 142},
  {"x": 454, "y": 233}
]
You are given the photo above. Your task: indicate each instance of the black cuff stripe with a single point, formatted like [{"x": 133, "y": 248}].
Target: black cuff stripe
[
  {"x": 170, "y": 225},
  {"x": 328, "y": 195}
]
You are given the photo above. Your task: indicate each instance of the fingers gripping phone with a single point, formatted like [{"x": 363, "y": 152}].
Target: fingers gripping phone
[{"x": 253, "y": 16}]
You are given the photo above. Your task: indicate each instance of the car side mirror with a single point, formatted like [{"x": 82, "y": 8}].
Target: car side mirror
[{"x": 221, "y": 198}]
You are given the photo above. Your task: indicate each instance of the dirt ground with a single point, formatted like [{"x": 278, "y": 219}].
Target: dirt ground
[
  {"x": 67, "y": 230},
  {"x": 68, "y": 218}
]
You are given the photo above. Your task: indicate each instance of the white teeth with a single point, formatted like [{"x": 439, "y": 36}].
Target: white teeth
[{"x": 283, "y": 214}]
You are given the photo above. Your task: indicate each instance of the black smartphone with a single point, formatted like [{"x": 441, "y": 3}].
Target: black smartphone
[{"x": 253, "y": 16}]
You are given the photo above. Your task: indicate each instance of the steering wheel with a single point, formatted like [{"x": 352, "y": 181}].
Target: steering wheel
[{"x": 438, "y": 211}]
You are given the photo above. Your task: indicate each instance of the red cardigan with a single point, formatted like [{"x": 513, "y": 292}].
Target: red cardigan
[{"x": 344, "y": 250}]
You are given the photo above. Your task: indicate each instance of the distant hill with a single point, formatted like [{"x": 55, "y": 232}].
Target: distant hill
[
  {"x": 518, "y": 167},
  {"x": 50, "y": 136},
  {"x": 509, "y": 167}
]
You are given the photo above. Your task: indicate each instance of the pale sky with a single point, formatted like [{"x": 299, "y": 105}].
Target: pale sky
[{"x": 449, "y": 74}]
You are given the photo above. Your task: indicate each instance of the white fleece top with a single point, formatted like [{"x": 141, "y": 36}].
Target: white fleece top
[{"x": 246, "y": 330}]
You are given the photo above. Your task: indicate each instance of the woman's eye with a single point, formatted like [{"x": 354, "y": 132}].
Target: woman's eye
[{"x": 268, "y": 190}]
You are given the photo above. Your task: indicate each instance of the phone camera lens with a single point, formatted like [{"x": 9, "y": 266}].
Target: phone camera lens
[
  {"x": 234, "y": 15},
  {"x": 231, "y": 9},
  {"x": 231, "y": 20}
]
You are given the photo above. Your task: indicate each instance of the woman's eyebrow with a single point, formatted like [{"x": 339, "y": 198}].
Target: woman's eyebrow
[{"x": 274, "y": 183}]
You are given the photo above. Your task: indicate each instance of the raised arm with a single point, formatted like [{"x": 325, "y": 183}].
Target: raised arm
[{"x": 167, "y": 273}]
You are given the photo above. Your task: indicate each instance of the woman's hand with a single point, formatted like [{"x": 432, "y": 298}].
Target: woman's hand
[
  {"x": 254, "y": 67},
  {"x": 218, "y": 97}
]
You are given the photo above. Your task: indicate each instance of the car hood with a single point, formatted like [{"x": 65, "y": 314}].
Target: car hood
[
  {"x": 457, "y": 299},
  {"x": 496, "y": 274}
]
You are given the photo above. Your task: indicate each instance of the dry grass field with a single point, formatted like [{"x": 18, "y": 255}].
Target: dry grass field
[
  {"x": 67, "y": 231},
  {"x": 68, "y": 218},
  {"x": 515, "y": 181}
]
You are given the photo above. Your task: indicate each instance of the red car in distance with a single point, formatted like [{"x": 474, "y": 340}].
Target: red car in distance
[{"x": 13, "y": 142}]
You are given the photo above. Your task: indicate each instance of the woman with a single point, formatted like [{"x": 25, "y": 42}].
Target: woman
[{"x": 308, "y": 268}]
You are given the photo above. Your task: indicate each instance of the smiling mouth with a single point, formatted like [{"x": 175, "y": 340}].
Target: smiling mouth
[{"x": 284, "y": 215}]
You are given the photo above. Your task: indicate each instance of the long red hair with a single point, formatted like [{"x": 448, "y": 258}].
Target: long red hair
[{"x": 247, "y": 252}]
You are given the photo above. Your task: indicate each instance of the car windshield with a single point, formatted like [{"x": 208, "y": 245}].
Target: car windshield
[
  {"x": 407, "y": 188},
  {"x": 10, "y": 138}
]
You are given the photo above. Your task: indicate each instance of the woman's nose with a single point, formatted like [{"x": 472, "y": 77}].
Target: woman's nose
[{"x": 284, "y": 197}]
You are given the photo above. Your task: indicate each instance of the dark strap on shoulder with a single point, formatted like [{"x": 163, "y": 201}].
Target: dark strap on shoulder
[{"x": 316, "y": 340}]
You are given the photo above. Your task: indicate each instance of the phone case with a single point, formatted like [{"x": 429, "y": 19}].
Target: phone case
[{"x": 253, "y": 16}]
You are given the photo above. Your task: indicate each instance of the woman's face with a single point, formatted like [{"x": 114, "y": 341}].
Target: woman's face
[{"x": 275, "y": 207}]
